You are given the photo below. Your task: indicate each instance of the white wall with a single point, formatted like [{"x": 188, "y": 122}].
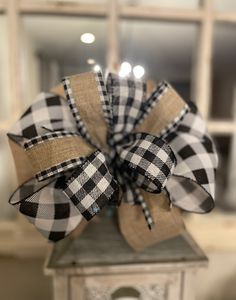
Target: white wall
[
  {"x": 30, "y": 65},
  {"x": 217, "y": 282},
  {"x": 5, "y": 164},
  {"x": 4, "y": 74}
]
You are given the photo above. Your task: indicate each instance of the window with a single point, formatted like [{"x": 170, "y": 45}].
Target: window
[
  {"x": 4, "y": 74},
  {"x": 54, "y": 46},
  {"x": 188, "y": 4},
  {"x": 223, "y": 75},
  {"x": 151, "y": 45},
  {"x": 225, "y": 5},
  {"x": 225, "y": 196}
]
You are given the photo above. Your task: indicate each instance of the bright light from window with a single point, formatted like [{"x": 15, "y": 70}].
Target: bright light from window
[
  {"x": 125, "y": 69},
  {"x": 97, "y": 68},
  {"x": 91, "y": 61},
  {"x": 138, "y": 71},
  {"x": 87, "y": 38}
]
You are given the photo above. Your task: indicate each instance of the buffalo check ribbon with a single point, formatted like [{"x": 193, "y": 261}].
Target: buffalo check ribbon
[{"x": 104, "y": 143}]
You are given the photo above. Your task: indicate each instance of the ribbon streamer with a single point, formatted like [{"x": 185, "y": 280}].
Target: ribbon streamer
[{"x": 107, "y": 140}]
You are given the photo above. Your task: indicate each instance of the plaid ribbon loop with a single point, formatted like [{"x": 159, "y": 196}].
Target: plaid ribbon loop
[
  {"x": 148, "y": 160},
  {"x": 91, "y": 186},
  {"x": 106, "y": 138}
]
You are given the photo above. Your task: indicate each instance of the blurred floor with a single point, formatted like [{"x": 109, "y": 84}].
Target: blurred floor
[{"x": 23, "y": 279}]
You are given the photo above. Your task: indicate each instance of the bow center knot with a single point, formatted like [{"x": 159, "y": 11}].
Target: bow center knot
[{"x": 142, "y": 160}]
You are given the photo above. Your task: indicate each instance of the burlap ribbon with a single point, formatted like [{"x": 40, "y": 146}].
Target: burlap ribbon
[{"x": 113, "y": 144}]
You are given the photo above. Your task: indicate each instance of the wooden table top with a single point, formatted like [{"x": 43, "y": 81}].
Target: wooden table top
[{"x": 101, "y": 244}]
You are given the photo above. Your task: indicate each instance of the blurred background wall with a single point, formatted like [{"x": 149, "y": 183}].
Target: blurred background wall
[{"x": 190, "y": 43}]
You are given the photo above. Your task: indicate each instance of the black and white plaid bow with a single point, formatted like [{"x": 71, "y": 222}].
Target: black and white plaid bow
[{"x": 59, "y": 196}]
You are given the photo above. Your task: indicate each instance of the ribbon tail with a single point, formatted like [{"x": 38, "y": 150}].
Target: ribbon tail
[
  {"x": 147, "y": 213},
  {"x": 133, "y": 195},
  {"x": 147, "y": 163}
]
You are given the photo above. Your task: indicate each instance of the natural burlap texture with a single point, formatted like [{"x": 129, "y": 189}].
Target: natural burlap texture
[
  {"x": 87, "y": 98},
  {"x": 23, "y": 167},
  {"x": 168, "y": 219},
  {"x": 24, "y": 172},
  {"x": 54, "y": 152},
  {"x": 163, "y": 113},
  {"x": 168, "y": 222}
]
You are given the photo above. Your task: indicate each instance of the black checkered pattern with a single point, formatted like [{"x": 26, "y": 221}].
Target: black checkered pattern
[
  {"x": 57, "y": 169},
  {"x": 150, "y": 161},
  {"x": 156, "y": 95},
  {"x": 180, "y": 162},
  {"x": 91, "y": 186},
  {"x": 71, "y": 101},
  {"x": 47, "y": 208},
  {"x": 127, "y": 102},
  {"x": 132, "y": 195},
  {"x": 172, "y": 125},
  {"x": 146, "y": 212},
  {"x": 48, "y": 137},
  {"x": 105, "y": 99},
  {"x": 60, "y": 168},
  {"x": 193, "y": 185},
  {"x": 47, "y": 113},
  {"x": 202, "y": 179}
]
